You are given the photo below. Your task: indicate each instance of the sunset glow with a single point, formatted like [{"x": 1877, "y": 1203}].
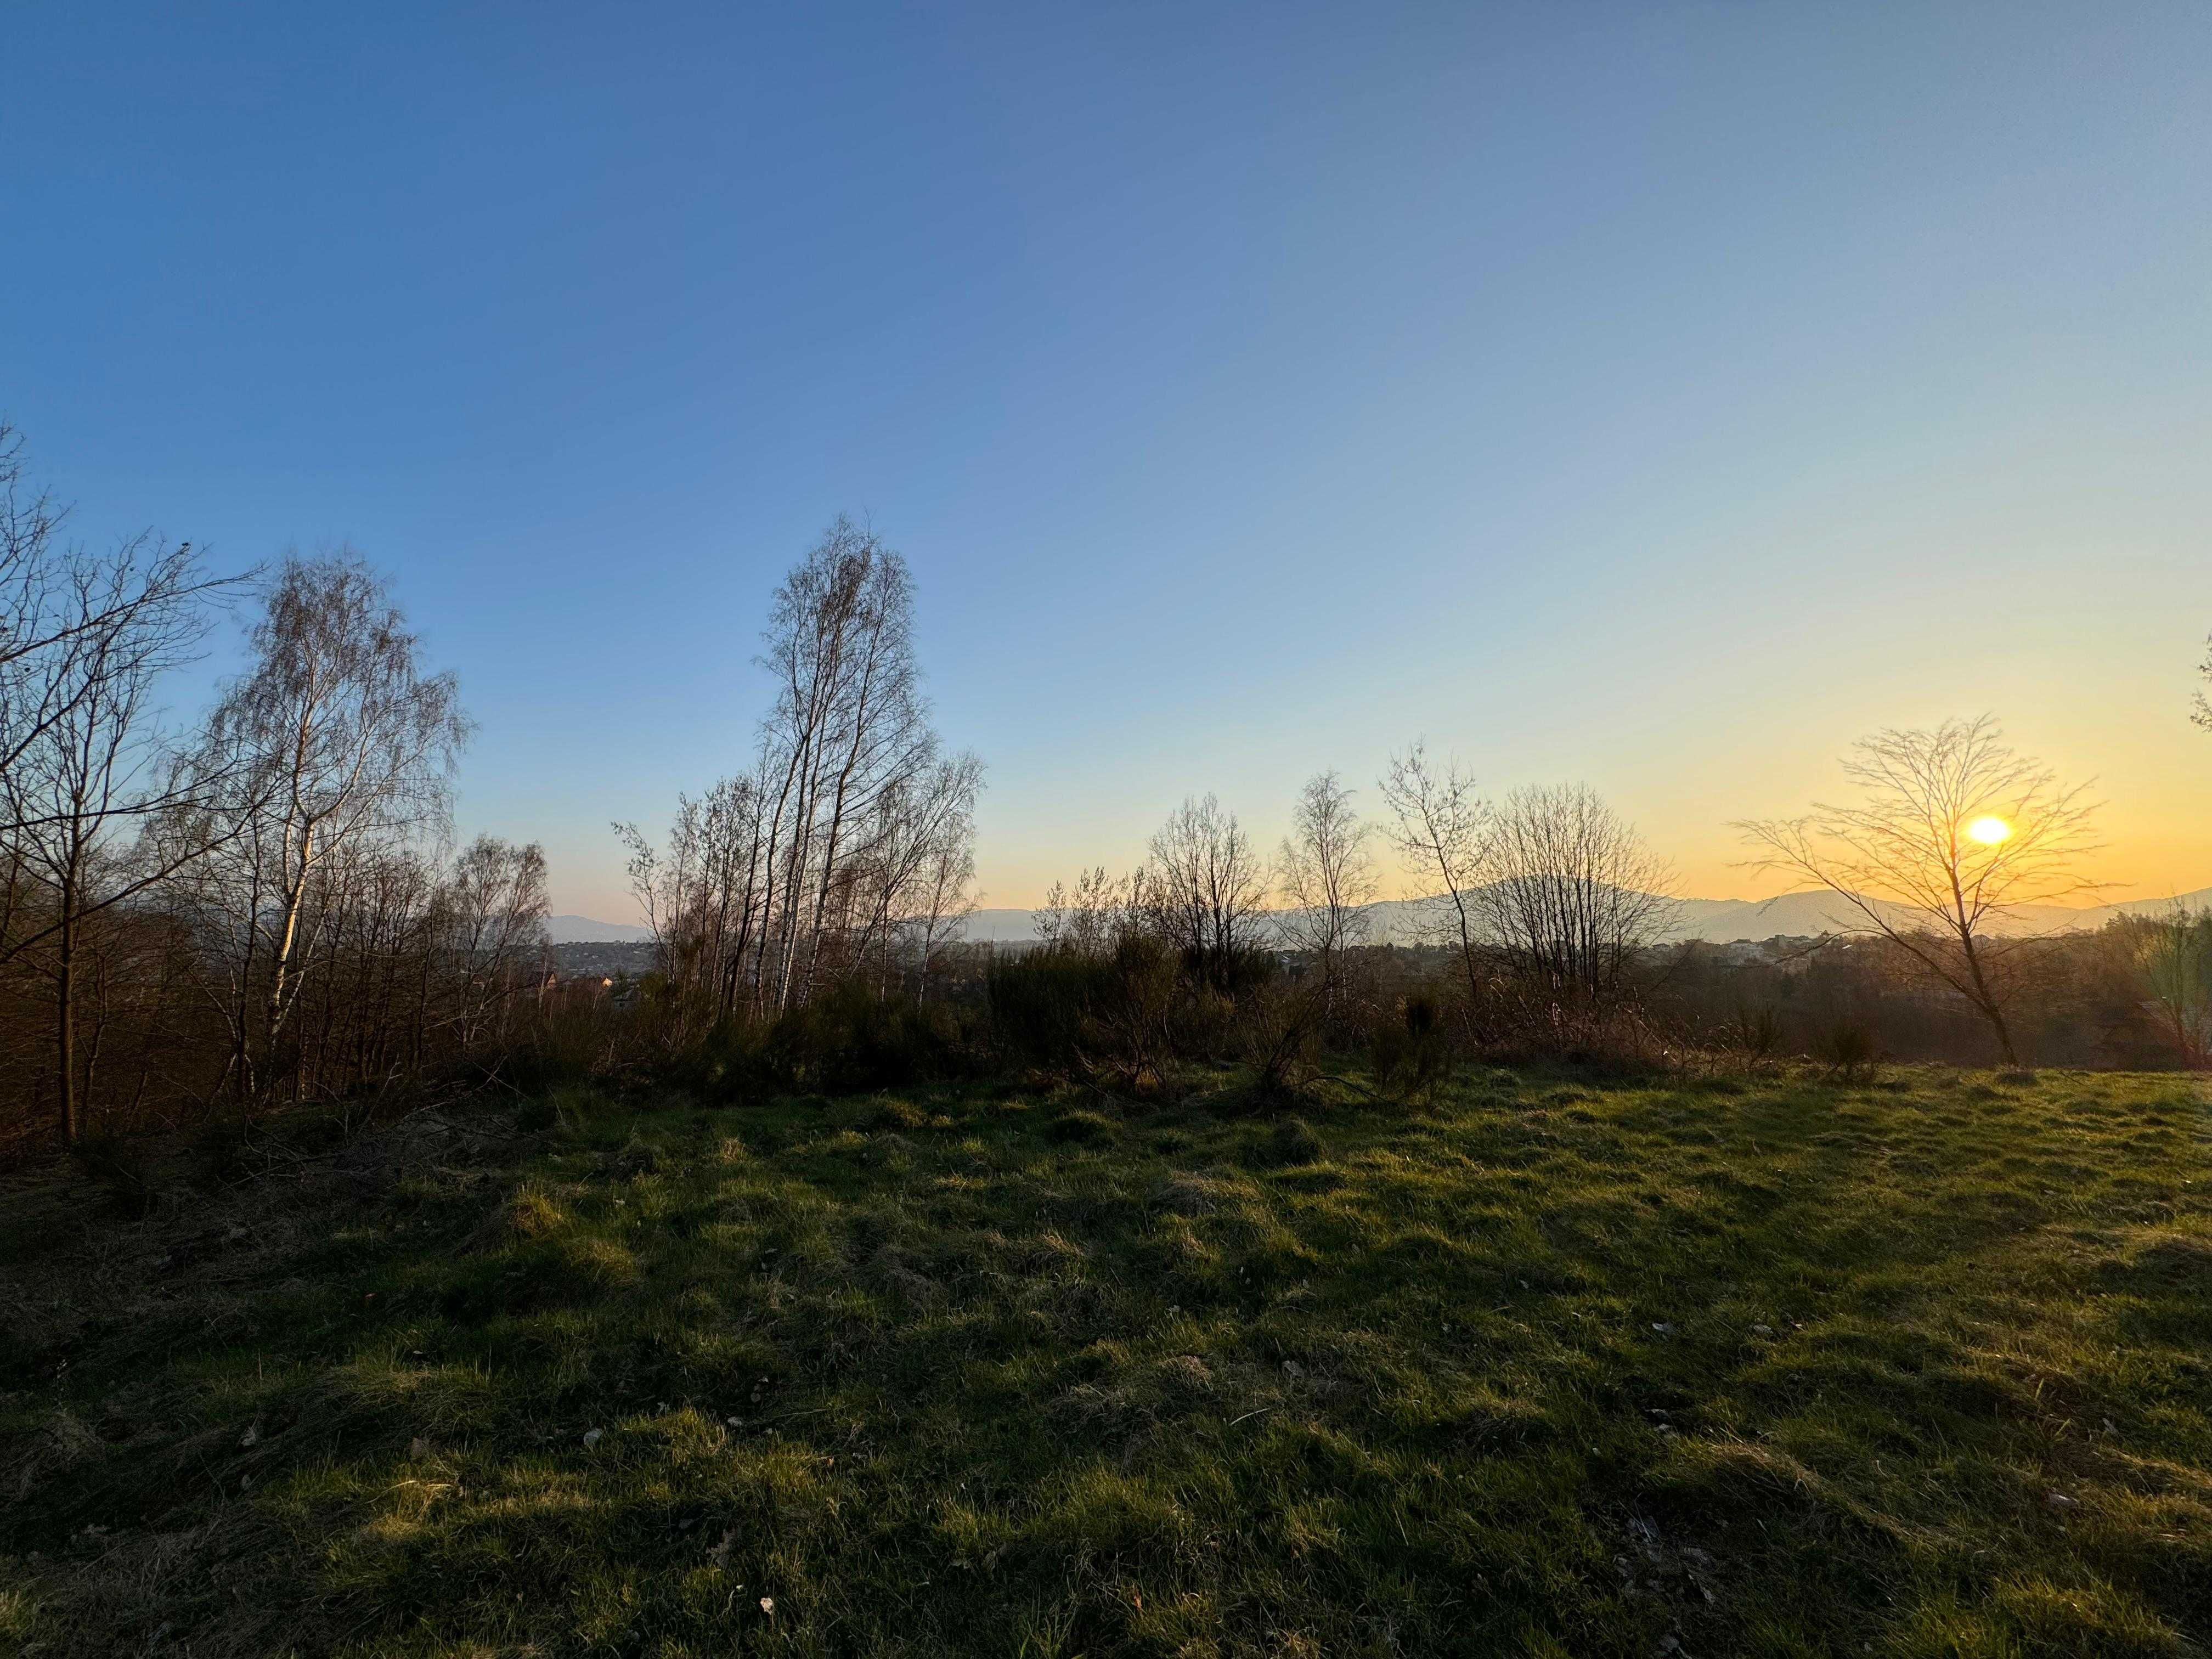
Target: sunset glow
[{"x": 1990, "y": 831}]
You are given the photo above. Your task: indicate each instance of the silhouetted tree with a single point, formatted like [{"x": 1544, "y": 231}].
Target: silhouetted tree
[
  {"x": 1326, "y": 877},
  {"x": 1203, "y": 888},
  {"x": 1571, "y": 894},
  {"x": 1091, "y": 919},
  {"x": 84, "y": 639},
  {"x": 491, "y": 911},
  {"x": 90, "y": 762},
  {"x": 2174, "y": 953},
  {"x": 1953, "y": 835},
  {"x": 1441, "y": 828}
]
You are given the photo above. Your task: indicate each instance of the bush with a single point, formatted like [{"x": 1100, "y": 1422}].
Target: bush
[
  {"x": 1754, "y": 1032},
  {"x": 1279, "y": 1036},
  {"x": 1108, "y": 1019},
  {"x": 1039, "y": 1001},
  {"x": 1528, "y": 1020},
  {"x": 1847, "y": 1046},
  {"x": 1412, "y": 1054},
  {"x": 848, "y": 1039},
  {"x": 122, "y": 1170}
]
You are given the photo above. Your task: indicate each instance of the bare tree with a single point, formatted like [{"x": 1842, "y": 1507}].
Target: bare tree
[
  {"x": 30, "y": 519},
  {"x": 921, "y": 864},
  {"x": 1441, "y": 828},
  {"x": 1093, "y": 918},
  {"x": 90, "y": 759},
  {"x": 851, "y": 838},
  {"x": 1204, "y": 887},
  {"x": 849, "y": 724},
  {"x": 1953, "y": 835},
  {"x": 492, "y": 910},
  {"x": 67, "y": 615},
  {"x": 345, "y": 744},
  {"x": 1572, "y": 893},
  {"x": 1326, "y": 877}
]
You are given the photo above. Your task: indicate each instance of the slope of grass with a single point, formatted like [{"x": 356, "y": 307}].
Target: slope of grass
[{"x": 1551, "y": 1367}]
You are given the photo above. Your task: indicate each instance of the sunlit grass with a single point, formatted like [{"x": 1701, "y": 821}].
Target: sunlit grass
[{"x": 1919, "y": 1367}]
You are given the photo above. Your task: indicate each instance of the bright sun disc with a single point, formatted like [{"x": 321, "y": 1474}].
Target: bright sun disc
[{"x": 1989, "y": 831}]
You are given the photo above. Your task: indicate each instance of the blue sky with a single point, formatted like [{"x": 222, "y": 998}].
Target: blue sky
[{"x": 1656, "y": 396}]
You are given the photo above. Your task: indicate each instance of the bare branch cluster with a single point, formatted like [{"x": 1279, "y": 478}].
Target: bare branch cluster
[
  {"x": 2199, "y": 705},
  {"x": 1907, "y": 861},
  {"x": 1325, "y": 877},
  {"x": 1205, "y": 888},
  {"x": 1572, "y": 893},
  {"x": 1551, "y": 884}
]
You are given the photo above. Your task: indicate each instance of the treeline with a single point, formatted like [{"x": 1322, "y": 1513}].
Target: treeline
[
  {"x": 262, "y": 905},
  {"x": 1545, "y": 940},
  {"x": 2135, "y": 994}
]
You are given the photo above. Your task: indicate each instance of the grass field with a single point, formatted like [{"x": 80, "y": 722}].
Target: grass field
[{"x": 1917, "y": 1367}]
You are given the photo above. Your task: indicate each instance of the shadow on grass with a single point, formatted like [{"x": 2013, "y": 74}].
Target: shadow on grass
[{"x": 1549, "y": 1366}]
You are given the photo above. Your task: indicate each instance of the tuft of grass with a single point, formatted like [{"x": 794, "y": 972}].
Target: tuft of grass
[
  {"x": 1912, "y": 1366},
  {"x": 1082, "y": 1127}
]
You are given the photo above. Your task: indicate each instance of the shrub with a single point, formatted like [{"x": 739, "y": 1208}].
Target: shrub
[
  {"x": 1847, "y": 1046},
  {"x": 1527, "y": 1019},
  {"x": 1280, "y": 1038},
  {"x": 1754, "y": 1032},
  {"x": 1109, "y": 1019},
  {"x": 121, "y": 1168},
  {"x": 1412, "y": 1054},
  {"x": 1038, "y": 1003},
  {"x": 847, "y": 1040}
]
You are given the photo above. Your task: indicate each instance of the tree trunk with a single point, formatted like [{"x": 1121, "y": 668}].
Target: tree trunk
[
  {"x": 65, "y": 1020},
  {"x": 1988, "y": 1002}
]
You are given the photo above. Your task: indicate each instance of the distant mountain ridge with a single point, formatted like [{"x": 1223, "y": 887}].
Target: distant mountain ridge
[
  {"x": 1716, "y": 922},
  {"x": 583, "y": 930}
]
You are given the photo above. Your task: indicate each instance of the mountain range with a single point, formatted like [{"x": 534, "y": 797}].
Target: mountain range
[
  {"x": 583, "y": 930},
  {"x": 1718, "y": 921}
]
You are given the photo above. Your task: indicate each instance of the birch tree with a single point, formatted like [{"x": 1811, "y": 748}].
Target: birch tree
[{"x": 343, "y": 741}]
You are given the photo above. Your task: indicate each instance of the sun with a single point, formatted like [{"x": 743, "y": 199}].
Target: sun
[{"x": 1989, "y": 831}]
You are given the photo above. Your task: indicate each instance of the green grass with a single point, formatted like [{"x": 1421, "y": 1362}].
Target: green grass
[{"x": 1922, "y": 1367}]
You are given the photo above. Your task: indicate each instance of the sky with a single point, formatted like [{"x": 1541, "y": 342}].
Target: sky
[{"x": 1655, "y": 395}]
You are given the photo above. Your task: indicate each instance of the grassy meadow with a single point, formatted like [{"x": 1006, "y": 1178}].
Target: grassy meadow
[{"x": 1918, "y": 1365}]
